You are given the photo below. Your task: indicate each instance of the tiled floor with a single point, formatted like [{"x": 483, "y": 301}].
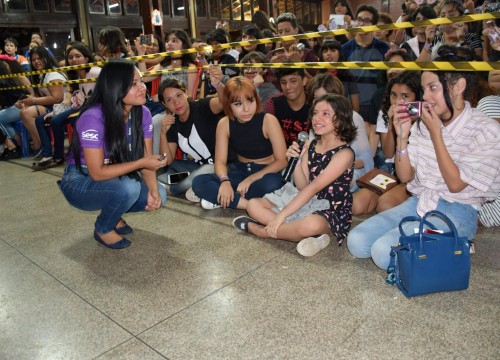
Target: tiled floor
[{"x": 192, "y": 287}]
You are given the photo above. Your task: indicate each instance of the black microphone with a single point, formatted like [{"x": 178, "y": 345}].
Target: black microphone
[{"x": 301, "y": 140}]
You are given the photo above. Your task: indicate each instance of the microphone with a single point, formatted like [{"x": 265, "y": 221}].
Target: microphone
[{"x": 301, "y": 139}]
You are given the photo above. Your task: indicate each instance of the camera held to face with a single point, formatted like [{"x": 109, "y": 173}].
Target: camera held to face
[{"x": 414, "y": 109}]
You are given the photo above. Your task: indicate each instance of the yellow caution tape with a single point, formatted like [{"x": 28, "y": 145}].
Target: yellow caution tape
[
  {"x": 363, "y": 29},
  {"x": 371, "y": 65}
]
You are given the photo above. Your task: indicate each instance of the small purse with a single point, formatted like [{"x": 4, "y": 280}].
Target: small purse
[
  {"x": 377, "y": 181},
  {"x": 429, "y": 261}
]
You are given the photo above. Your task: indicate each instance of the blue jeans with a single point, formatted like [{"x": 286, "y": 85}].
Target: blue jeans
[
  {"x": 192, "y": 167},
  {"x": 8, "y": 117},
  {"x": 57, "y": 125},
  {"x": 207, "y": 186},
  {"x": 375, "y": 236},
  {"x": 113, "y": 197}
]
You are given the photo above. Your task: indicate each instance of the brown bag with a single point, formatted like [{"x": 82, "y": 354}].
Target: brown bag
[{"x": 377, "y": 181}]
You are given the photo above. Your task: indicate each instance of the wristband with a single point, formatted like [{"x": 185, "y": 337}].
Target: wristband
[
  {"x": 402, "y": 152},
  {"x": 427, "y": 45},
  {"x": 217, "y": 85},
  {"x": 33, "y": 100},
  {"x": 223, "y": 178}
]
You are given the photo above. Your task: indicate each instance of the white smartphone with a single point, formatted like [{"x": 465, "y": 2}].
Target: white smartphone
[{"x": 177, "y": 177}]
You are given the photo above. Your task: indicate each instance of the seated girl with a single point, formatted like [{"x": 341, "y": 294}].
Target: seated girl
[
  {"x": 406, "y": 88},
  {"x": 325, "y": 169},
  {"x": 189, "y": 126},
  {"x": 450, "y": 163},
  {"x": 110, "y": 146},
  {"x": 260, "y": 147}
]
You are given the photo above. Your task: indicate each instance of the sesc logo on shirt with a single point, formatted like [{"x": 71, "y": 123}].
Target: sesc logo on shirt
[
  {"x": 151, "y": 127},
  {"x": 90, "y": 135}
]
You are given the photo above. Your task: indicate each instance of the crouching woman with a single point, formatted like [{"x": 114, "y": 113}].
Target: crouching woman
[{"x": 110, "y": 166}]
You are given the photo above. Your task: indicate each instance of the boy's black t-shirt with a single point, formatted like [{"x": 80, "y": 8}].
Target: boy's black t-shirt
[{"x": 292, "y": 122}]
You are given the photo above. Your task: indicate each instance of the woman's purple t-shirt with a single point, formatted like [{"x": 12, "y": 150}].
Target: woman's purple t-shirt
[{"x": 90, "y": 129}]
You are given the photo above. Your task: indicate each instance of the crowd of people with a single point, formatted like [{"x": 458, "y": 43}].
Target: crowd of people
[{"x": 222, "y": 136}]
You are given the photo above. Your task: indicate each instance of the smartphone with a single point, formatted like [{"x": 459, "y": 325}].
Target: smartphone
[
  {"x": 414, "y": 109},
  {"x": 147, "y": 39},
  {"x": 177, "y": 177},
  {"x": 22, "y": 97},
  {"x": 163, "y": 156}
]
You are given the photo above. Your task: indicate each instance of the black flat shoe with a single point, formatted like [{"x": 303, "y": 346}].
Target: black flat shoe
[
  {"x": 122, "y": 244},
  {"x": 124, "y": 230}
]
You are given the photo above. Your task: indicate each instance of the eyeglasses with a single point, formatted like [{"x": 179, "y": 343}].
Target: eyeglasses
[
  {"x": 252, "y": 69},
  {"x": 364, "y": 20}
]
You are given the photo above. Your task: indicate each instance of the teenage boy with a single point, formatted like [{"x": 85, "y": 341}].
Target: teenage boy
[
  {"x": 290, "y": 108},
  {"x": 286, "y": 24},
  {"x": 365, "y": 47}
]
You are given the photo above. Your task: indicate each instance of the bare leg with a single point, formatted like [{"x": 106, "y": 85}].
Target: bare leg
[
  {"x": 392, "y": 198},
  {"x": 295, "y": 231},
  {"x": 28, "y": 117},
  {"x": 364, "y": 201}
]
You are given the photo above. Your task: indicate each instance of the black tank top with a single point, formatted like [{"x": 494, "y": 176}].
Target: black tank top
[{"x": 248, "y": 138}]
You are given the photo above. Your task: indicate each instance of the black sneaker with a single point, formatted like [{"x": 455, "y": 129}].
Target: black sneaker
[{"x": 10, "y": 155}]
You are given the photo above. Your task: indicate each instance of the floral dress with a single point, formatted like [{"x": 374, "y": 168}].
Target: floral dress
[{"x": 339, "y": 215}]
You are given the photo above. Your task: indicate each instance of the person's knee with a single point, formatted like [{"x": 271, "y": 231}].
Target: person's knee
[
  {"x": 357, "y": 244},
  {"x": 129, "y": 190},
  {"x": 380, "y": 252}
]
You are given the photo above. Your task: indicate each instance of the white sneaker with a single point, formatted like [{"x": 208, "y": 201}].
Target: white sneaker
[
  {"x": 191, "y": 196},
  {"x": 312, "y": 245},
  {"x": 207, "y": 205}
]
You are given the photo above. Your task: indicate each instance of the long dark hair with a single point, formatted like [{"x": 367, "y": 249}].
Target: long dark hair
[
  {"x": 187, "y": 59},
  {"x": 408, "y": 78},
  {"x": 85, "y": 51},
  {"x": 447, "y": 78},
  {"x": 113, "y": 39},
  {"x": 254, "y": 31},
  {"x": 50, "y": 63},
  {"x": 113, "y": 84}
]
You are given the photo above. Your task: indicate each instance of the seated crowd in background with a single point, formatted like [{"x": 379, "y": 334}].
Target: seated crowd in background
[{"x": 205, "y": 117}]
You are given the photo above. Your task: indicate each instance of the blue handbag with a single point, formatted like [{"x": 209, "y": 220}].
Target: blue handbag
[{"x": 429, "y": 262}]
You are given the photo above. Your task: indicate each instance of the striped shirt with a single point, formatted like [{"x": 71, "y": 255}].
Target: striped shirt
[{"x": 473, "y": 142}]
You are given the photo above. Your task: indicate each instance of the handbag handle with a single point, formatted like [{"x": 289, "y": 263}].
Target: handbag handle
[
  {"x": 445, "y": 218},
  {"x": 414, "y": 218}
]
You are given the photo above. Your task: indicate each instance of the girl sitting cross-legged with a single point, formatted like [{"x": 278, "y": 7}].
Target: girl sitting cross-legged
[
  {"x": 324, "y": 170},
  {"x": 258, "y": 142}
]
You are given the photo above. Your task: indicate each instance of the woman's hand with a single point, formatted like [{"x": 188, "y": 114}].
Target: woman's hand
[
  {"x": 26, "y": 102},
  {"x": 431, "y": 120},
  {"x": 226, "y": 194},
  {"x": 244, "y": 186},
  {"x": 402, "y": 121},
  {"x": 294, "y": 150},
  {"x": 430, "y": 33},
  {"x": 141, "y": 48},
  {"x": 154, "y": 201},
  {"x": 152, "y": 162},
  {"x": 273, "y": 226},
  {"x": 167, "y": 121},
  {"x": 215, "y": 74},
  {"x": 390, "y": 115},
  {"x": 258, "y": 80}
]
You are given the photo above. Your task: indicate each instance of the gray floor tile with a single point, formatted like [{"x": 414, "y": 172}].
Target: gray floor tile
[
  {"x": 42, "y": 319},
  {"x": 302, "y": 309},
  {"x": 131, "y": 350}
]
